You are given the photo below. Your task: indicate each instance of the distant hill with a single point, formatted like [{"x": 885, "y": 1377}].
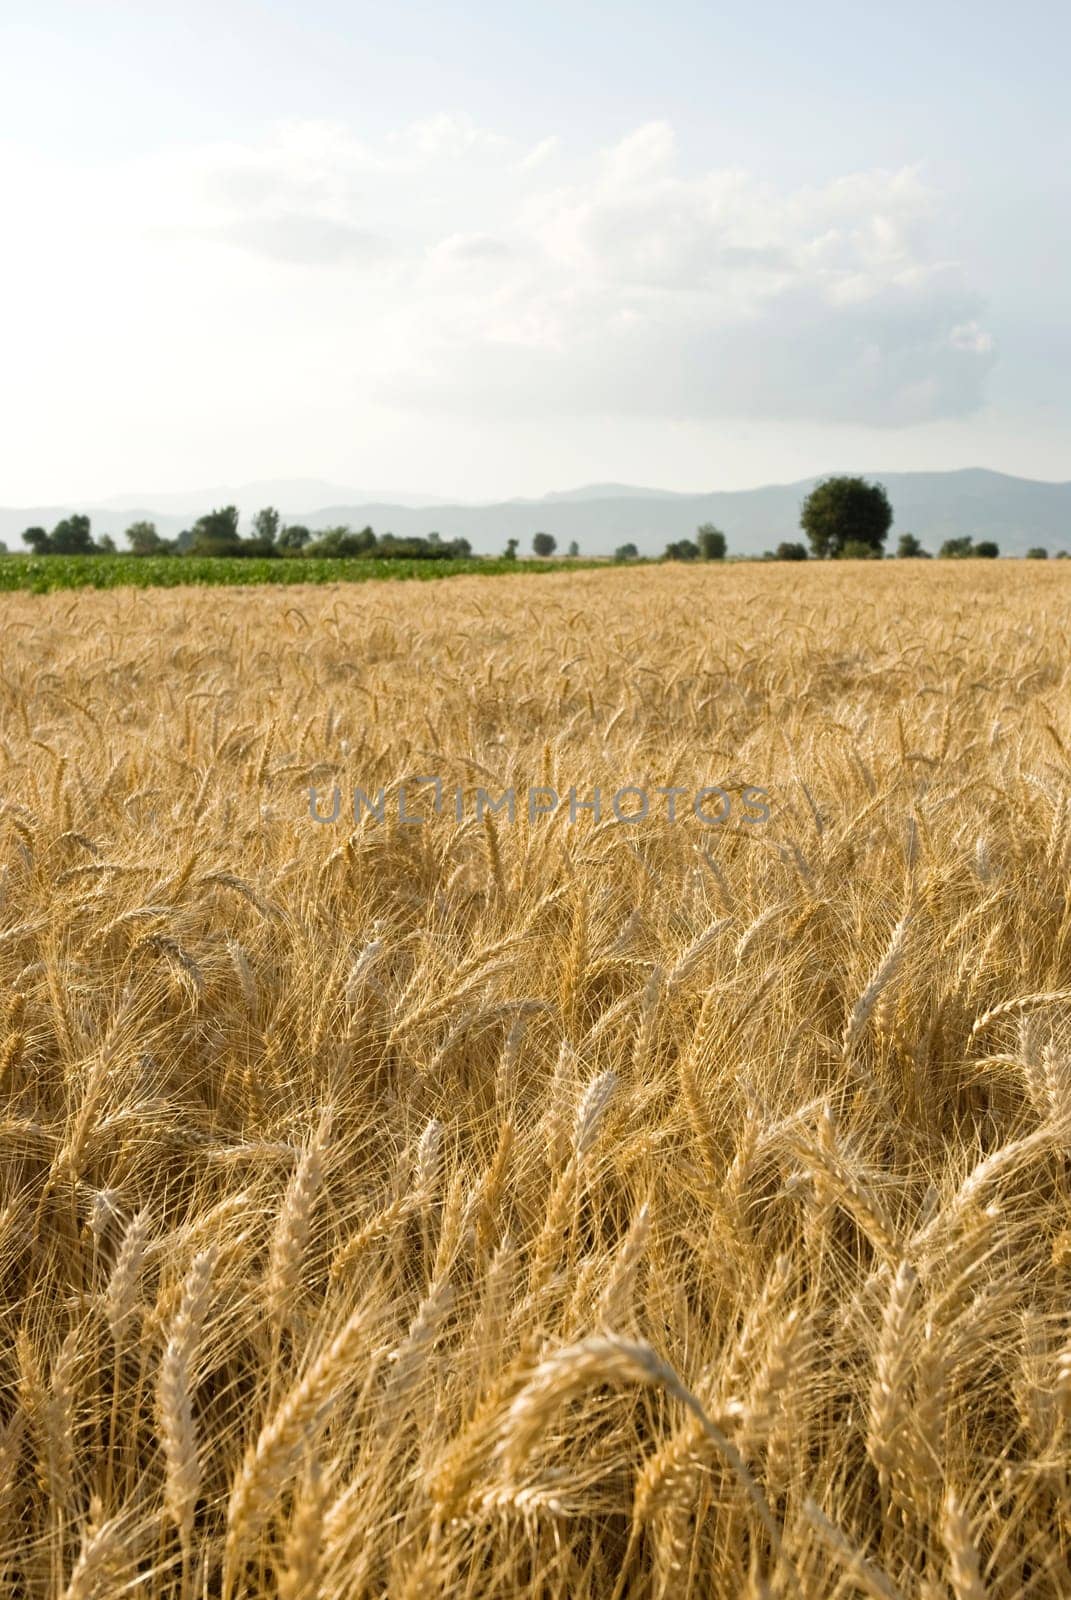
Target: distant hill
[
  {"x": 1016, "y": 512},
  {"x": 608, "y": 491},
  {"x": 288, "y": 495}
]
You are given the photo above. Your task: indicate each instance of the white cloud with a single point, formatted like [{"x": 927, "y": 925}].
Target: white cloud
[
  {"x": 634, "y": 291},
  {"x": 540, "y": 154},
  {"x": 446, "y": 138},
  {"x": 642, "y": 155},
  {"x": 443, "y": 266}
]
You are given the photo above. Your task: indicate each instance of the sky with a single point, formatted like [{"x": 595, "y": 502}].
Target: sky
[{"x": 476, "y": 251}]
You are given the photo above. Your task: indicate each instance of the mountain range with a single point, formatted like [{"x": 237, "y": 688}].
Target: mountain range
[{"x": 1016, "y": 512}]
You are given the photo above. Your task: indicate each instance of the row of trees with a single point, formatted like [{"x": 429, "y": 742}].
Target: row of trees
[
  {"x": 907, "y": 547},
  {"x": 843, "y": 518},
  {"x": 709, "y": 544},
  {"x": 217, "y": 534},
  {"x": 70, "y": 537},
  {"x": 543, "y": 544},
  {"x": 848, "y": 517}
]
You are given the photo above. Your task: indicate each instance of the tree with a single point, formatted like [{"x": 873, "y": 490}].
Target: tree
[
  {"x": 908, "y": 547},
  {"x": 626, "y": 552},
  {"x": 144, "y": 539},
  {"x": 343, "y": 541},
  {"x": 216, "y": 534},
  {"x": 4, "y": 551},
  {"x": 987, "y": 548},
  {"x": 510, "y": 552},
  {"x": 266, "y": 525},
  {"x": 107, "y": 544},
  {"x": 957, "y": 549},
  {"x": 682, "y": 550},
  {"x": 293, "y": 537},
  {"x": 711, "y": 542},
  {"x": 574, "y": 549},
  {"x": 842, "y": 510},
  {"x": 544, "y": 544},
  {"x": 1037, "y": 552},
  {"x": 788, "y": 550},
  {"x": 71, "y": 537}
]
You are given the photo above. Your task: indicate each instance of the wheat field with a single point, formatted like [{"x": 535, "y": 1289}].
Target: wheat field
[{"x": 539, "y": 1208}]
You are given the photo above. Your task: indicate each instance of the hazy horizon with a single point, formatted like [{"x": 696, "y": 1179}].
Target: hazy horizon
[
  {"x": 1016, "y": 513},
  {"x": 291, "y": 496}
]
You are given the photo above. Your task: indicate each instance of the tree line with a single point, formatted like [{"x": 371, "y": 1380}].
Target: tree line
[
  {"x": 843, "y": 518},
  {"x": 217, "y": 533}
]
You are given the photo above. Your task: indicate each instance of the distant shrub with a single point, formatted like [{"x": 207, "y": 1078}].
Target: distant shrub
[
  {"x": 858, "y": 550},
  {"x": 293, "y": 537},
  {"x": 711, "y": 541},
  {"x": 957, "y": 549},
  {"x": 342, "y": 541}
]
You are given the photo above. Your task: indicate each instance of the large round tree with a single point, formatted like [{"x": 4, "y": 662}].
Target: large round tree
[{"x": 841, "y": 511}]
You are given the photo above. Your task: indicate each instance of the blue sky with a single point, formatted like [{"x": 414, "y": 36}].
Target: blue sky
[{"x": 477, "y": 251}]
